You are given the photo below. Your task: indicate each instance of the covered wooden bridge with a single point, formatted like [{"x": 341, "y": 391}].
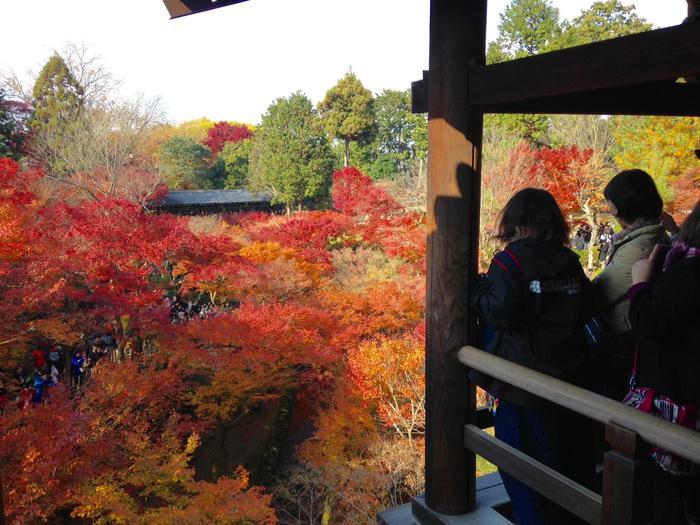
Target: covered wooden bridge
[
  {"x": 208, "y": 202},
  {"x": 633, "y": 75}
]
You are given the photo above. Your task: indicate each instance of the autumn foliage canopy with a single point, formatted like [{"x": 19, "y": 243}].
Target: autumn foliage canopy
[{"x": 211, "y": 323}]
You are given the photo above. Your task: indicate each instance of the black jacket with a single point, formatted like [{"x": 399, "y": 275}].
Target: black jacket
[
  {"x": 666, "y": 318},
  {"x": 538, "y": 308}
]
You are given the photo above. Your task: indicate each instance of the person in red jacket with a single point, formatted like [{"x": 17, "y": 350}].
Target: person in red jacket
[{"x": 39, "y": 359}]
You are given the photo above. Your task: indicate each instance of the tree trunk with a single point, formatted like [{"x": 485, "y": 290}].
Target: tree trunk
[
  {"x": 120, "y": 336},
  {"x": 299, "y": 208},
  {"x": 288, "y": 207},
  {"x": 327, "y": 513},
  {"x": 347, "y": 152},
  {"x": 592, "y": 218}
]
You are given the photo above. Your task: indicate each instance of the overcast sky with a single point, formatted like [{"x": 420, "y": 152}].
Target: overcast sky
[{"x": 231, "y": 63}]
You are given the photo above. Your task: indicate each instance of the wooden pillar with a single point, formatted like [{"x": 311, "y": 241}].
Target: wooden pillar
[
  {"x": 626, "y": 482},
  {"x": 693, "y": 7},
  {"x": 457, "y": 40}
]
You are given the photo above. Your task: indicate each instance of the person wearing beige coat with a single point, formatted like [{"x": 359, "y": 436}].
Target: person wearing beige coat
[
  {"x": 611, "y": 286},
  {"x": 634, "y": 200}
]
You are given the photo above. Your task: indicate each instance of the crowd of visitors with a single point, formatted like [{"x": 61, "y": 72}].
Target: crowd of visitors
[
  {"x": 603, "y": 241},
  {"x": 53, "y": 364},
  {"x": 183, "y": 310},
  {"x": 539, "y": 308},
  {"x": 582, "y": 238}
]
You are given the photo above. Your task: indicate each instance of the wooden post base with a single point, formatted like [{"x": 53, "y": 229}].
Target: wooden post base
[
  {"x": 481, "y": 515},
  {"x": 490, "y": 495}
]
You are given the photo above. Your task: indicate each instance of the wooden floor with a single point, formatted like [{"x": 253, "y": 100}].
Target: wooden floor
[{"x": 490, "y": 495}]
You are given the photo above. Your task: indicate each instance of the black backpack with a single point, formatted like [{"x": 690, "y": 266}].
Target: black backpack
[{"x": 556, "y": 312}]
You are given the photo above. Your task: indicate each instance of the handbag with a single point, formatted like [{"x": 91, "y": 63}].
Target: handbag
[{"x": 650, "y": 401}]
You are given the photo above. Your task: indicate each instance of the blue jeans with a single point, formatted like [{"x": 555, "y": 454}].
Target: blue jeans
[{"x": 556, "y": 437}]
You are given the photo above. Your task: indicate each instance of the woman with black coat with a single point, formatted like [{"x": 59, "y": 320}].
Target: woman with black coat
[
  {"x": 665, "y": 316},
  {"x": 535, "y": 297}
]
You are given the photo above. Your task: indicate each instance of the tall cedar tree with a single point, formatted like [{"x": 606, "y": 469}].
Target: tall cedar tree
[
  {"x": 526, "y": 27},
  {"x": 601, "y": 21},
  {"x": 530, "y": 27},
  {"x": 291, "y": 158},
  {"x": 347, "y": 111},
  {"x": 57, "y": 96}
]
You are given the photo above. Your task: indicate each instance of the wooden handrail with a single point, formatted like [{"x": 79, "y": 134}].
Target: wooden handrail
[
  {"x": 674, "y": 438},
  {"x": 579, "y": 500}
]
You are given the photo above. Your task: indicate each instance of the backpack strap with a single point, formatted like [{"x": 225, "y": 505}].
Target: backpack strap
[
  {"x": 633, "y": 374},
  {"x": 510, "y": 264}
]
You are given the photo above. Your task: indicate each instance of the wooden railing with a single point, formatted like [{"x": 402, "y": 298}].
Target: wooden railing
[{"x": 624, "y": 499}]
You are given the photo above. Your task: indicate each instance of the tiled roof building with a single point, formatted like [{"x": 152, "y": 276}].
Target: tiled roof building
[{"x": 205, "y": 202}]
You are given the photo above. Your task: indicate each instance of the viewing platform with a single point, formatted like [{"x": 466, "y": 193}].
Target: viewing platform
[
  {"x": 492, "y": 507},
  {"x": 626, "y": 489}
]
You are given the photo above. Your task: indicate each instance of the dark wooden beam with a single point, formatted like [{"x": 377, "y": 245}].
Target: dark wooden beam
[
  {"x": 457, "y": 40},
  {"x": 419, "y": 94},
  {"x": 653, "y": 56},
  {"x": 178, "y": 8},
  {"x": 693, "y": 8},
  {"x": 576, "y": 498},
  {"x": 659, "y": 98},
  {"x": 662, "y": 98}
]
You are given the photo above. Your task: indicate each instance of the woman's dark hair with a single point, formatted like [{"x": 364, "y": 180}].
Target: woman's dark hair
[
  {"x": 690, "y": 231},
  {"x": 635, "y": 196},
  {"x": 535, "y": 214}
]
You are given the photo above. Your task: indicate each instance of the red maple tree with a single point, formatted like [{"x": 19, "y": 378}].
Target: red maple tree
[
  {"x": 222, "y": 132},
  {"x": 355, "y": 194}
]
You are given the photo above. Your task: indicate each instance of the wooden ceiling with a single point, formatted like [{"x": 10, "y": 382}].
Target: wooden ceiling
[{"x": 178, "y": 8}]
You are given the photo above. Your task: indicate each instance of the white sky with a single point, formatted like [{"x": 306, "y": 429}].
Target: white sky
[{"x": 232, "y": 62}]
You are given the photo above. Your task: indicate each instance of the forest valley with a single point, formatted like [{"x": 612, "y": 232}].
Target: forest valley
[
  {"x": 266, "y": 368},
  {"x": 314, "y": 324}
]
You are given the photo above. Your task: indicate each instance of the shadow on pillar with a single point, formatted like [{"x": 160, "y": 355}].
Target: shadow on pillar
[{"x": 451, "y": 485}]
